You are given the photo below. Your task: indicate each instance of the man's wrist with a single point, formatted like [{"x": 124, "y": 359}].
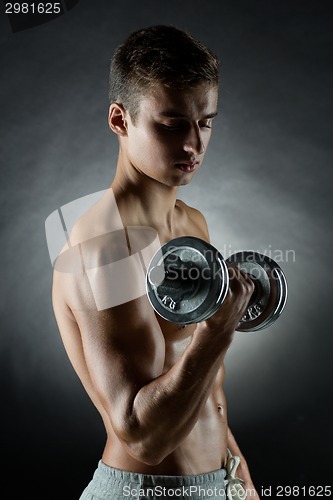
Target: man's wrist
[{"x": 217, "y": 336}]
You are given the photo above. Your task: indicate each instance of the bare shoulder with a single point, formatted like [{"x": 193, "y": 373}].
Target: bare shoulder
[
  {"x": 103, "y": 266},
  {"x": 100, "y": 219},
  {"x": 93, "y": 238},
  {"x": 195, "y": 218}
]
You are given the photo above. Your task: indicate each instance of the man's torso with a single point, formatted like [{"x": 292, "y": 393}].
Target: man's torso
[{"x": 205, "y": 448}]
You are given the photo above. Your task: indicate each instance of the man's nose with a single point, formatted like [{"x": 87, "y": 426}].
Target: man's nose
[{"x": 194, "y": 143}]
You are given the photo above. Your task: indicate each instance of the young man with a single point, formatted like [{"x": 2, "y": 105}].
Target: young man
[{"x": 157, "y": 385}]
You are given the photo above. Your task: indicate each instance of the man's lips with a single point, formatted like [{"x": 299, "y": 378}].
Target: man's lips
[{"x": 187, "y": 166}]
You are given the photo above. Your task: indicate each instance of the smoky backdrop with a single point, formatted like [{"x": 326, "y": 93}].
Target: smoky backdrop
[{"x": 265, "y": 185}]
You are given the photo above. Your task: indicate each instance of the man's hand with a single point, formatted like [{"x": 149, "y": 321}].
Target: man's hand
[
  {"x": 225, "y": 321},
  {"x": 242, "y": 471},
  {"x": 244, "y": 474}
]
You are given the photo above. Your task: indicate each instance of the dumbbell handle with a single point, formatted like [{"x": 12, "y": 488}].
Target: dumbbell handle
[{"x": 165, "y": 280}]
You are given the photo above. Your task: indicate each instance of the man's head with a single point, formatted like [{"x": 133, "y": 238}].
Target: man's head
[{"x": 158, "y": 55}]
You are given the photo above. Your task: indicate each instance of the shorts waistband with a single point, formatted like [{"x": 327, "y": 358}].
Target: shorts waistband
[{"x": 158, "y": 480}]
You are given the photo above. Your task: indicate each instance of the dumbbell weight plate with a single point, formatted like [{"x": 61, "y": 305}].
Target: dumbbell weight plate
[
  {"x": 172, "y": 297},
  {"x": 270, "y": 297}
]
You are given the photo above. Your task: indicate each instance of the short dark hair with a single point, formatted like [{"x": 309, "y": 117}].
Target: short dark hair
[{"x": 158, "y": 54}]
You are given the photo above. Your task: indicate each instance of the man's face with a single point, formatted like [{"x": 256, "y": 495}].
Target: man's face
[{"x": 171, "y": 133}]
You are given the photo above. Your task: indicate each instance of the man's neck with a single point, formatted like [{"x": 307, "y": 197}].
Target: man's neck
[{"x": 142, "y": 200}]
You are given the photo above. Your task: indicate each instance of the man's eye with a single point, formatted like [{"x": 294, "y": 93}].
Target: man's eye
[
  {"x": 183, "y": 126},
  {"x": 172, "y": 127}
]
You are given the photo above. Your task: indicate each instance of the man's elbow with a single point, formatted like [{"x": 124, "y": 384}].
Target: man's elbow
[
  {"x": 141, "y": 442},
  {"x": 146, "y": 454},
  {"x": 141, "y": 445}
]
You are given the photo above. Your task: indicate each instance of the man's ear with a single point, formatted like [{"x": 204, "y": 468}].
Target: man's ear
[{"x": 117, "y": 119}]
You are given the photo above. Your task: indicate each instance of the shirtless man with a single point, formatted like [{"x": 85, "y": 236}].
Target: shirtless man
[{"x": 158, "y": 386}]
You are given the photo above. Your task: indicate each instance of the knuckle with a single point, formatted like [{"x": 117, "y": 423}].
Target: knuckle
[{"x": 250, "y": 285}]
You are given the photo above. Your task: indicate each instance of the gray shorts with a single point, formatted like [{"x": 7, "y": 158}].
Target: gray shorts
[{"x": 114, "y": 484}]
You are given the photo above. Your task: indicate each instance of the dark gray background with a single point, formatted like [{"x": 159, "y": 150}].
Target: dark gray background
[{"x": 265, "y": 184}]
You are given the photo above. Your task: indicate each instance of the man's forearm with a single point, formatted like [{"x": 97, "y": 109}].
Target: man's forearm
[
  {"x": 233, "y": 446},
  {"x": 243, "y": 470},
  {"x": 166, "y": 409}
]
